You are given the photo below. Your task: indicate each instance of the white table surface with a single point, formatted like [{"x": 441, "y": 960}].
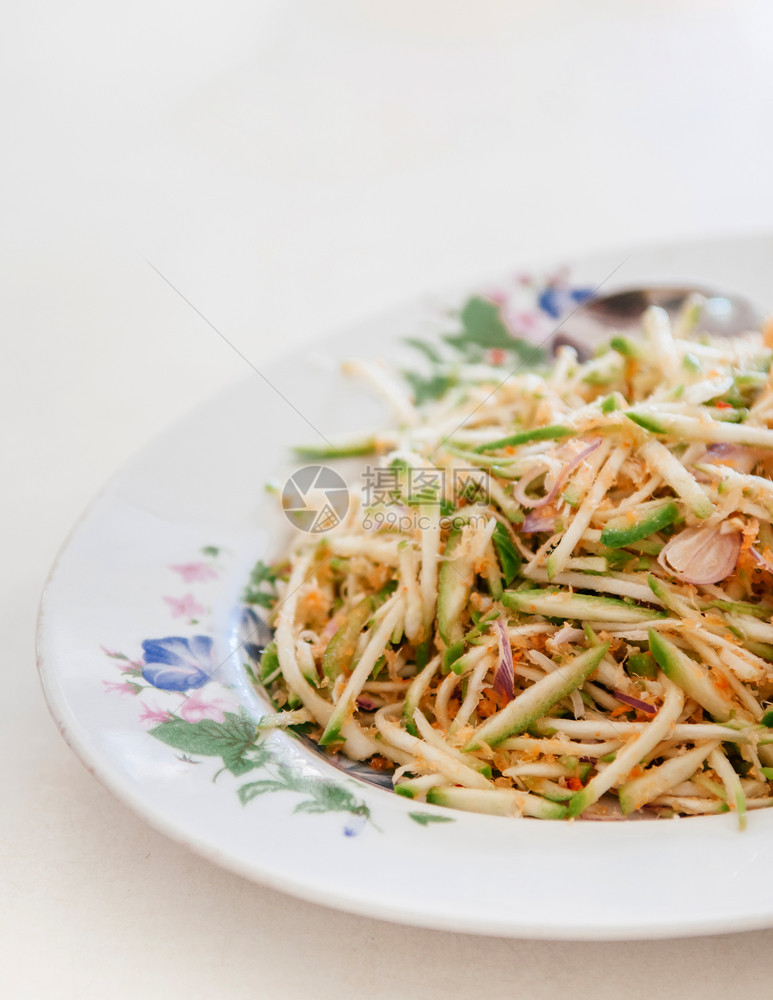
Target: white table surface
[{"x": 292, "y": 167}]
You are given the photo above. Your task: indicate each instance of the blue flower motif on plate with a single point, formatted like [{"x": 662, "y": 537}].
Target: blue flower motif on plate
[
  {"x": 177, "y": 663},
  {"x": 555, "y": 300}
]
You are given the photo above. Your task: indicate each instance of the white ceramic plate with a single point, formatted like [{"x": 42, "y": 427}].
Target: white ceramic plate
[{"x": 142, "y": 666}]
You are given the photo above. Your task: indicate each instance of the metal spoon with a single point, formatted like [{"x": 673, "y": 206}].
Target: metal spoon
[{"x": 723, "y": 314}]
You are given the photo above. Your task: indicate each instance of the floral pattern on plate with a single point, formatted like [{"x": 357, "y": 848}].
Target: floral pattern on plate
[{"x": 199, "y": 715}]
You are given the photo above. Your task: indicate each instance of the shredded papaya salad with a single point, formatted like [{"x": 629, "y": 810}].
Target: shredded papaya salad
[{"x": 572, "y": 614}]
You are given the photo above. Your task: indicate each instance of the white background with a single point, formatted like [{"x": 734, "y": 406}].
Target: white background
[{"x": 292, "y": 166}]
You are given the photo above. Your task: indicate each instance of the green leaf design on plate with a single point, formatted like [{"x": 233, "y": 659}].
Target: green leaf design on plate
[
  {"x": 324, "y": 796},
  {"x": 427, "y": 387},
  {"x": 430, "y": 352},
  {"x": 482, "y": 326},
  {"x": 482, "y": 329},
  {"x": 233, "y": 740},
  {"x": 424, "y": 819}
]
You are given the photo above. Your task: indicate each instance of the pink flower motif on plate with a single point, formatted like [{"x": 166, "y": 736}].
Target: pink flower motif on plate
[
  {"x": 496, "y": 295},
  {"x": 122, "y": 687},
  {"x": 154, "y": 715},
  {"x": 527, "y": 324},
  {"x": 195, "y": 572},
  {"x": 186, "y": 606},
  {"x": 194, "y": 709}
]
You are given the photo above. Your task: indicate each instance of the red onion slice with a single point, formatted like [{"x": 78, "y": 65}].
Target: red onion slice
[
  {"x": 366, "y": 704},
  {"x": 578, "y": 459},
  {"x": 701, "y": 555},
  {"x": 536, "y": 522},
  {"x": 643, "y": 706},
  {"x": 736, "y": 456},
  {"x": 568, "y": 469},
  {"x": 519, "y": 491},
  {"x": 504, "y": 678}
]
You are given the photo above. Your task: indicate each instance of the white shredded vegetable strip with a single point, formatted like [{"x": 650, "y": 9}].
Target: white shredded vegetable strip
[
  {"x": 642, "y": 743},
  {"x": 474, "y": 691},
  {"x": 582, "y": 518},
  {"x": 437, "y": 760},
  {"x": 670, "y": 468}
]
